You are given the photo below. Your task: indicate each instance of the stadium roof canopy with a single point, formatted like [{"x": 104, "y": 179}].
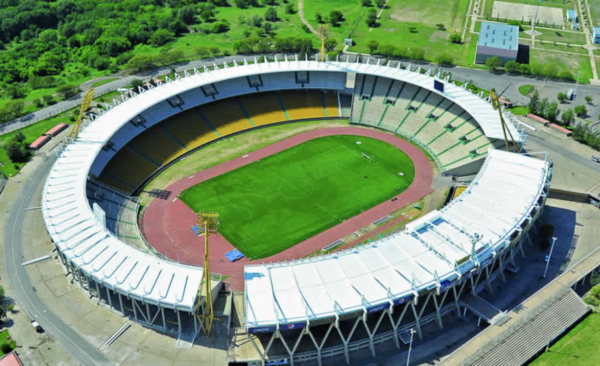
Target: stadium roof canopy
[
  {"x": 432, "y": 252},
  {"x": 86, "y": 242}
]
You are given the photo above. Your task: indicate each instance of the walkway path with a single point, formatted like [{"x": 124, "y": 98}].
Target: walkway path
[
  {"x": 167, "y": 223},
  {"x": 303, "y": 19},
  {"x": 589, "y": 47}
]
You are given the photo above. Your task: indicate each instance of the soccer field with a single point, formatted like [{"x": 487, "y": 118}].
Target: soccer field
[{"x": 275, "y": 203}]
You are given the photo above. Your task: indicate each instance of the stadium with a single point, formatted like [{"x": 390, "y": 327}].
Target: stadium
[{"x": 407, "y": 128}]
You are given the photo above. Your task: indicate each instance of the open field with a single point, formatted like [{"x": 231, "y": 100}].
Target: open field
[
  {"x": 400, "y": 15},
  {"x": 569, "y": 4},
  {"x": 595, "y": 11},
  {"x": 579, "y": 347},
  {"x": 561, "y": 36},
  {"x": 572, "y": 63},
  {"x": 300, "y": 192}
]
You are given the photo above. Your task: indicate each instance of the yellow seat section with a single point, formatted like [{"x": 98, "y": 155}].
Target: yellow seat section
[
  {"x": 189, "y": 128},
  {"x": 226, "y": 116},
  {"x": 331, "y": 103},
  {"x": 129, "y": 167},
  {"x": 264, "y": 108},
  {"x": 303, "y": 104},
  {"x": 115, "y": 184},
  {"x": 157, "y": 145}
]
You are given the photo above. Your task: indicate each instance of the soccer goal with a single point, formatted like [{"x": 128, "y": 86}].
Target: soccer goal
[{"x": 369, "y": 158}]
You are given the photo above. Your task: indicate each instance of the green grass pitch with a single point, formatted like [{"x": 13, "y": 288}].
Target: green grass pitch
[{"x": 272, "y": 204}]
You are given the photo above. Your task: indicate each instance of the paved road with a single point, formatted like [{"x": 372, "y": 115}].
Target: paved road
[{"x": 73, "y": 342}]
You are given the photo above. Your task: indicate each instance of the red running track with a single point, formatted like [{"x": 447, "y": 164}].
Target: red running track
[{"x": 167, "y": 223}]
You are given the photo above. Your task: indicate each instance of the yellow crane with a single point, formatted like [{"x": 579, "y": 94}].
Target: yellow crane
[
  {"x": 323, "y": 34},
  {"x": 498, "y": 106},
  {"x": 208, "y": 224},
  {"x": 85, "y": 105}
]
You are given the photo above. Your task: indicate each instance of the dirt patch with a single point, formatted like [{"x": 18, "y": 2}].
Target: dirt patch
[{"x": 504, "y": 10}]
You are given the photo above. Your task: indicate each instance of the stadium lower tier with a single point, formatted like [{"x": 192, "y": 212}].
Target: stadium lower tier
[{"x": 186, "y": 131}]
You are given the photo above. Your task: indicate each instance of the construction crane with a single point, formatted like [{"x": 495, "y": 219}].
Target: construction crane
[
  {"x": 208, "y": 223},
  {"x": 85, "y": 105},
  {"x": 323, "y": 34},
  {"x": 498, "y": 106}
]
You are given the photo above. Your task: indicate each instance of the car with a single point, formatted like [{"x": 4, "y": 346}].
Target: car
[
  {"x": 596, "y": 158},
  {"x": 36, "y": 326}
]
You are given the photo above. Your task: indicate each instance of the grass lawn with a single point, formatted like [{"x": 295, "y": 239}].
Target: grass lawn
[
  {"x": 4, "y": 340},
  {"x": 302, "y": 191},
  {"x": 579, "y": 347},
  {"x": 561, "y": 36},
  {"x": 568, "y": 62},
  {"x": 595, "y": 11},
  {"x": 31, "y": 134},
  {"x": 401, "y": 14},
  {"x": 102, "y": 82},
  {"x": 525, "y": 89},
  {"x": 519, "y": 111},
  {"x": 548, "y": 46}
]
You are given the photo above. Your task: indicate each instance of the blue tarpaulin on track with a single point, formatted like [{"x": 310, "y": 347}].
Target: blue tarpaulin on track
[{"x": 234, "y": 255}]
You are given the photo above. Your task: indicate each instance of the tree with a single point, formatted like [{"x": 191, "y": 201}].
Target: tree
[
  {"x": 551, "y": 70},
  {"x": 388, "y": 50},
  {"x": 335, "y": 17},
  {"x": 15, "y": 153},
  {"x": 14, "y": 108},
  {"x": 441, "y": 26},
  {"x": 289, "y": 9},
  {"x": 366, "y": 2},
  {"x": 141, "y": 63},
  {"x": 271, "y": 14},
  {"x": 552, "y": 111},
  {"x": 417, "y": 54},
  {"x": 580, "y": 110},
  {"x": 256, "y": 21},
  {"x": 242, "y": 4},
  {"x": 16, "y": 91},
  {"x": 20, "y": 137},
  {"x": 330, "y": 44},
  {"x": 525, "y": 69},
  {"x": 219, "y": 27},
  {"x": 371, "y": 17},
  {"x": 412, "y": 29},
  {"x": 534, "y": 102},
  {"x": 319, "y": 18},
  {"x": 49, "y": 99},
  {"x": 542, "y": 107},
  {"x": 512, "y": 67},
  {"x": 67, "y": 91},
  {"x": 373, "y": 46},
  {"x": 186, "y": 14},
  {"x": 207, "y": 15},
  {"x": 202, "y": 52},
  {"x": 268, "y": 2},
  {"x": 588, "y": 99},
  {"x": 455, "y": 38},
  {"x": 562, "y": 97},
  {"x": 568, "y": 117},
  {"x": 493, "y": 63},
  {"x": 445, "y": 59},
  {"x": 380, "y": 3},
  {"x": 101, "y": 63},
  {"x": 161, "y": 37},
  {"x": 216, "y": 51},
  {"x": 566, "y": 75},
  {"x": 136, "y": 84}
]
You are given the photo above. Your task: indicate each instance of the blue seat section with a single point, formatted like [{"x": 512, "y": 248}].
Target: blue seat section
[{"x": 234, "y": 255}]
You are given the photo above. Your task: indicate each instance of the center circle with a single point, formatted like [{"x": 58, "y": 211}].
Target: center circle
[{"x": 295, "y": 189}]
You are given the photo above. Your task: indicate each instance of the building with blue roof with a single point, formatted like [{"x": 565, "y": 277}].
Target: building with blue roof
[
  {"x": 571, "y": 16},
  {"x": 596, "y": 35},
  {"x": 496, "y": 39}
]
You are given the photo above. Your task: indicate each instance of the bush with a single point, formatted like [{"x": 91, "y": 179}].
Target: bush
[
  {"x": 373, "y": 46},
  {"x": 335, "y": 17},
  {"x": 141, "y": 63},
  {"x": 445, "y": 59},
  {"x": 219, "y": 27},
  {"x": 441, "y": 26},
  {"x": 67, "y": 91},
  {"x": 161, "y": 37},
  {"x": 289, "y": 8},
  {"x": 455, "y": 38},
  {"x": 330, "y": 44},
  {"x": 591, "y": 300},
  {"x": 7, "y": 348},
  {"x": 493, "y": 63},
  {"x": 101, "y": 63},
  {"x": 10, "y": 307},
  {"x": 271, "y": 14},
  {"x": 15, "y": 152},
  {"x": 305, "y": 28},
  {"x": 580, "y": 110},
  {"x": 136, "y": 83}
]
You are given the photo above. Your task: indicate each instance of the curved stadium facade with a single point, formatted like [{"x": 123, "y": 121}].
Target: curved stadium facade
[{"x": 323, "y": 306}]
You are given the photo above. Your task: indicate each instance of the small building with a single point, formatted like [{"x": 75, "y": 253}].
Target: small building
[
  {"x": 596, "y": 35},
  {"x": 39, "y": 142},
  {"x": 572, "y": 16},
  {"x": 496, "y": 39},
  {"x": 56, "y": 129}
]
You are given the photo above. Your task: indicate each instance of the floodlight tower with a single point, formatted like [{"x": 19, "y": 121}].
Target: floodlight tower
[
  {"x": 85, "y": 104},
  {"x": 497, "y": 105},
  {"x": 208, "y": 224},
  {"x": 323, "y": 32}
]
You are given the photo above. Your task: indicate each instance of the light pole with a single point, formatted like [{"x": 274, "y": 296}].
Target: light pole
[
  {"x": 536, "y": 15},
  {"x": 412, "y": 333},
  {"x": 549, "y": 257},
  {"x": 576, "y": 84}
]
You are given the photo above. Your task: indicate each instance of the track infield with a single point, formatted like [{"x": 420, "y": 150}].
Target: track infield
[{"x": 302, "y": 191}]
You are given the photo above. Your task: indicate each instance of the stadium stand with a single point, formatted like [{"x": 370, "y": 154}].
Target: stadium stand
[
  {"x": 264, "y": 108},
  {"x": 226, "y": 116},
  {"x": 189, "y": 128},
  {"x": 522, "y": 345},
  {"x": 332, "y": 108},
  {"x": 157, "y": 145},
  {"x": 506, "y": 196},
  {"x": 303, "y": 104}
]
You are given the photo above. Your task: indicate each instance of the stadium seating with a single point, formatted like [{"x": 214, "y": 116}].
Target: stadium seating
[
  {"x": 226, "y": 116},
  {"x": 264, "y": 108},
  {"x": 346, "y": 105},
  {"x": 303, "y": 104},
  {"x": 127, "y": 170},
  {"x": 189, "y": 128},
  {"x": 331, "y": 105},
  {"x": 158, "y": 145}
]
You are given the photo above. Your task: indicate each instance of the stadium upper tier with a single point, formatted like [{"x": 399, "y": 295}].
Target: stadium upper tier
[
  {"x": 81, "y": 235},
  {"x": 433, "y": 252}
]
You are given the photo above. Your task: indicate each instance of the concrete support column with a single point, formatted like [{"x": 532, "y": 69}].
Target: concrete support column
[
  {"x": 345, "y": 340},
  {"x": 121, "y": 303},
  {"x": 396, "y": 324},
  {"x": 97, "y": 291},
  {"x": 162, "y": 312},
  {"x": 148, "y": 312},
  {"x": 178, "y": 321},
  {"x": 319, "y": 346},
  {"x": 293, "y": 350},
  {"x": 195, "y": 322},
  {"x": 438, "y": 306},
  {"x": 419, "y": 314},
  {"x": 109, "y": 298},
  {"x": 134, "y": 309},
  {"x": 488, "y": 283}
]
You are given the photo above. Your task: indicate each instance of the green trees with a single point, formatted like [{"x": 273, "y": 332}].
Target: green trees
[
  {"x": 335, "y": 17},
  {"x": 371, "y": 18},
  {"x": 534, "y": 102},
  {"x": 161, "y": 37},
  {"x": 445, "y": 59},
  {"x": 494, "y": 64},
  {"x": 271, "y": 14},
  {"x": 17, "y": 153},
  {"x": 562, "y": 97},
  {"x": 580, "y": 110},
  {"x": 512, "y": 67},
  {"x": 588, "y": 99},
  {"x": 568, "y": 117},
  {"x": 330, "y": 44},
  {"x": 455, "y": 38},
  {"x": 67, "y": 91},
  {"x": 373, "y": 46}
]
